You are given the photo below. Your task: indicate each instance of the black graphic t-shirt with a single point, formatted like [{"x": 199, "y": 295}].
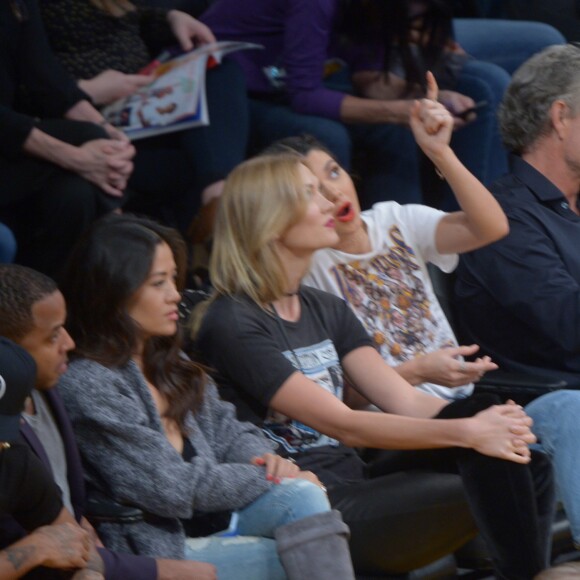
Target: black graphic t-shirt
[{"x": 252, "y": 353}]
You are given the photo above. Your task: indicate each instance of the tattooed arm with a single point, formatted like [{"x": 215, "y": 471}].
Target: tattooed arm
[{"x": 62, "y": 545}]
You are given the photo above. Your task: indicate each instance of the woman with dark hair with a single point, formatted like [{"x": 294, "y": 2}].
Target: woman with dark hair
[
  {"x": 154, "y": 434},
  {"x": 283, "y": 353}
]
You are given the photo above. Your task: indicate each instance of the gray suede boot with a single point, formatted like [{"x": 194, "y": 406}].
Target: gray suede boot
[{"x": 315, "y": 547}]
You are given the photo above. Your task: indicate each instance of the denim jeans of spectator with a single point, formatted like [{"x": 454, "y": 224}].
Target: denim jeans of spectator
[
  {"x": 7, "y": 245},
  {"x": 506, "y": 43},
  {"x": 478, "y": 145},
  {"x": 498, "y": 48},
  {"x": 557, "y": 428},
  {"x": 252, "y": 552}
]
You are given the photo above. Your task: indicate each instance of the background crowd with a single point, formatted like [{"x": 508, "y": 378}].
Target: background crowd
[{"x": 333, "y": 436}]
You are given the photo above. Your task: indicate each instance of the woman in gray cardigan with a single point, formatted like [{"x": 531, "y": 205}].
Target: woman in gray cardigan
[{"x": 154, "y": 434}]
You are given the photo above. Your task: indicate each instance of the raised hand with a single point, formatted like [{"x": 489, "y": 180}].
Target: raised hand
[{"x": 430, "y": 121}]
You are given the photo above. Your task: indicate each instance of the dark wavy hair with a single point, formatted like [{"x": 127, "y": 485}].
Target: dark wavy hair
[
  {"x": 385, "y": 25},
  {"x": 106, "y": 268}
]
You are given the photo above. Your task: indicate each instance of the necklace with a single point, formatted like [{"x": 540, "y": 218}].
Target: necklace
[{"x": 292, "y": 293}]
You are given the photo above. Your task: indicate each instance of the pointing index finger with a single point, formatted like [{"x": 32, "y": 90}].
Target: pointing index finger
[{"x": 432, "y": 88}]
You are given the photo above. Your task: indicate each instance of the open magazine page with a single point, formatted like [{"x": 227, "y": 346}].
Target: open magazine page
[{"x": 176, "y": 99}]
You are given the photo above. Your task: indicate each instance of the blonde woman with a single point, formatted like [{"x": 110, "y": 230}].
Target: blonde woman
[{"x": 281, "y": 352}]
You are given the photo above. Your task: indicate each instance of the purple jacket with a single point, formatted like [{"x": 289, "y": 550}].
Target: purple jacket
[
  {"x": 117, "y": 566},
  {"x": 297, "y": 36}
]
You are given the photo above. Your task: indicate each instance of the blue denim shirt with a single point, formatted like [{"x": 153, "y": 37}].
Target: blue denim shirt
[{"x": 519, "y": 298}]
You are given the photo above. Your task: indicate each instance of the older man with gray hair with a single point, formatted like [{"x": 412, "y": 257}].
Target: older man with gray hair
[{"x": 519, "y": 298}]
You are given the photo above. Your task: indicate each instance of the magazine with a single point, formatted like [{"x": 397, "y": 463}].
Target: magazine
[{"x": 176, "y": 98}]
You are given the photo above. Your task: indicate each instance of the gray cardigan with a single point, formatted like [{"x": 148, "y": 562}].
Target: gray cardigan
[{"x": 127, "y": 456}]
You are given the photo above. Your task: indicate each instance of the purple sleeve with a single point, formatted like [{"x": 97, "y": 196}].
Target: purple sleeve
[
  {"x": 306, "y": 39},
  {"x": 122, "y": 566}
]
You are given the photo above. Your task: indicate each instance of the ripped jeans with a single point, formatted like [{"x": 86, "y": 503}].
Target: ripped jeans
[{"x": 252, "y": 552}]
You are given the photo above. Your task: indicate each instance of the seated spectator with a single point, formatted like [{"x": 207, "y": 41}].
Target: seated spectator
[
  {"x": 7, "y": 245},
  {"x": 387, "y": 48},
  {"x": 154, "y": 434},
  {"x": 520, "y": 297},
  {"x": 379, "y": 265},
  {"x": 32, "y": 313},
  {"x": 60, "y": 173},
  {"x": 104, "y": 45},
  {"x": 27, "y": 491},
  {"x": 281, "y": 352}
]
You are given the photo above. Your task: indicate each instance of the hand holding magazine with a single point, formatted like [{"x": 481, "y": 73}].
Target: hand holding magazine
[{"x": 176, "y": 99}]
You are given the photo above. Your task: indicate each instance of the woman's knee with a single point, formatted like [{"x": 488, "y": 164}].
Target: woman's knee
[
  {"x": 555, "y": 416},
  {"x": 306, "y": 498}
]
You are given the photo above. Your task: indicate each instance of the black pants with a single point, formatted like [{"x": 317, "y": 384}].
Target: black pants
[
  {"x": 402, "y": 516},
  {"x": 46, "y": 206}
]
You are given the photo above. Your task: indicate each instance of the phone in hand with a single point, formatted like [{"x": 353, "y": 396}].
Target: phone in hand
[{"x": 465, "y": 114}]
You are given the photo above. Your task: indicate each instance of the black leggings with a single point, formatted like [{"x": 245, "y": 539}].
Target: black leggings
[{"x": 411, "y": 510}]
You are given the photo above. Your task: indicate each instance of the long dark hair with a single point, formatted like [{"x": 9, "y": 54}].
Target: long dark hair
[
  {"x": 384, "y": 24},
  {"x": 105, "y": 270}
]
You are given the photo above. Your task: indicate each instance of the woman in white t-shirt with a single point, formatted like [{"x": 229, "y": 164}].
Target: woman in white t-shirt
[{"x": 379, "y": 265}]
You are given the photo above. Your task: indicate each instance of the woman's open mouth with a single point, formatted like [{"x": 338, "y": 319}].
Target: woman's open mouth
[{"x": 345, "y": 212}]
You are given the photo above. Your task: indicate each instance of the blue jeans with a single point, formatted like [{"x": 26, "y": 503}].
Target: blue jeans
[
  {"x": 506, "y": 43},
  {"x": 557, "y": 428},
  {"x": 7, "y": 245},
  {"x": 498, "y": 47},
  {"x": 252, "y": 553}
]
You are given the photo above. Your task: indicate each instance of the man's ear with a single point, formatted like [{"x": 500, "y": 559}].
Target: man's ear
[{"x": 560, "y": 117}]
